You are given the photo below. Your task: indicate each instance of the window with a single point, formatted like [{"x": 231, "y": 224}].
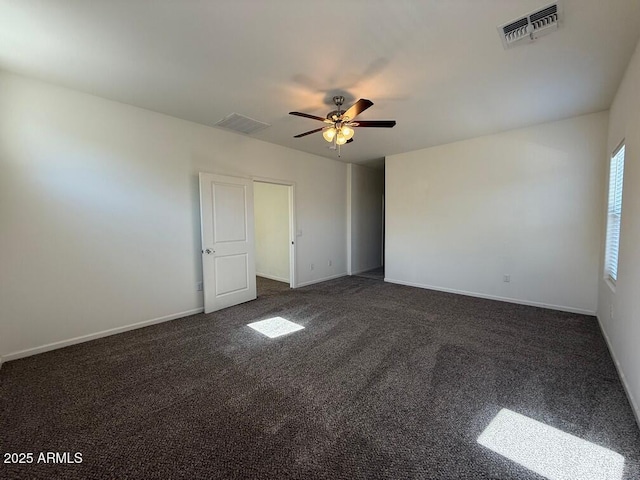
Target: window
[{"x": 615, "y": 215}]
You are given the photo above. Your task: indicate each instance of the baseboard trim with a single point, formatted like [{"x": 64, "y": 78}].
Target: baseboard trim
[
  {"x": 273, "y": 277},
  {"x": 320, "y": 280},
  {"x": 93, "y": 336},
  {"x": 493, "y": 297},
  {"x": 634, "y": 404}
]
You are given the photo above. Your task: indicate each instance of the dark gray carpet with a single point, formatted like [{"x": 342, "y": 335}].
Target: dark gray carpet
[
  {"x": 384, "y": 382},
  {"x": 375, "y": 274}
]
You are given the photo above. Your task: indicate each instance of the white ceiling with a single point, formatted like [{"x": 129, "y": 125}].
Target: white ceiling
[{"x": 435, "y": 66}]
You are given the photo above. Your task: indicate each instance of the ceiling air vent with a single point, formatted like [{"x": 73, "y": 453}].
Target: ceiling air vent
[
  {"x": 242, "y": 124},
  {"x": 532, "y": 26}
]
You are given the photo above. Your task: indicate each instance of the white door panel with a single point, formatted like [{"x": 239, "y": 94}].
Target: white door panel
[
  {"x": 228, "y": 200},
  {"x": 228, "y": 265},
  {"x": 236, "y": 278}
]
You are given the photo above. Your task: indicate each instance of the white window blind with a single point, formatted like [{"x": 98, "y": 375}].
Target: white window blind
[{"x": 615, "y": 214}]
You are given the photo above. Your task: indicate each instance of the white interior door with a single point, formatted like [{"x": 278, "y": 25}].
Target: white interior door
[{"x": 228, "y": 264}]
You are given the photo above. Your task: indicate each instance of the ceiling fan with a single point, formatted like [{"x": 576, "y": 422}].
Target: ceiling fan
[{"x": 340, "y": 124}]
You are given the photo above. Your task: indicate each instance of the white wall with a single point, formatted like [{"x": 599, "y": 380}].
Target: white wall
[
  {"x": 525, "y": 203},
  {"x": 100, "y": 215},
  {"x": 271, "y": 211},
  {"x": 619, "y": 308},
  {"x": 365, "y": 187}
]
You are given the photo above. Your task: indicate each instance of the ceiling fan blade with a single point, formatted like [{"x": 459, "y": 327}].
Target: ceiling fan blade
[
  {"x": 376, "y": 123},
  {"x": 357, "y": 108},
  {"x": 350, "y": 140},
  {"x": 308, "y": 115},
  {"x": 309, "y": 132}
]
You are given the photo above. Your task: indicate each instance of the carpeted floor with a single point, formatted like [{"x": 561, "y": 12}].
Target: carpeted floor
[
  {"x": 384, "y": 382},
  {"x": 375, "y": 274}
]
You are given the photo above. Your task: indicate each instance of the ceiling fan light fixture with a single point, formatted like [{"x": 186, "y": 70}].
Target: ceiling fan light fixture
[
  {"x": 348, "y": 132},
  {"x": 340, "y": 128},
  {"x": 329, "y": 134}
]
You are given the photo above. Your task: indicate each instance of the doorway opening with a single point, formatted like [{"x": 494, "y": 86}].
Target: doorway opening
[
  {"x": 365, "y": 221},
  {"x": 274, "y": 236}
]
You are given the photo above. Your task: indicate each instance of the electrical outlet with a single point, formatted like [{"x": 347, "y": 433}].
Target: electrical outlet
[
  {"x": 506, "y": 278},
  {"x": 199, "y": 286},
  {"x": 311, "y": 267},
  {"x": 329, "y": 263}
]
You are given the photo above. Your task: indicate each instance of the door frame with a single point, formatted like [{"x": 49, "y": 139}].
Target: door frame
[{"x": 293, "y": 277}]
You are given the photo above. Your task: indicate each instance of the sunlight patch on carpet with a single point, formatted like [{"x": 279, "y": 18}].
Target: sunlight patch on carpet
[
  {"x": 275, "y": 327},
  {"x": 548, "y": 451}
]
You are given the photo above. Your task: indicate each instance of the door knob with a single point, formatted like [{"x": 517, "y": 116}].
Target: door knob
[{"x": 209, "y": 251}]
